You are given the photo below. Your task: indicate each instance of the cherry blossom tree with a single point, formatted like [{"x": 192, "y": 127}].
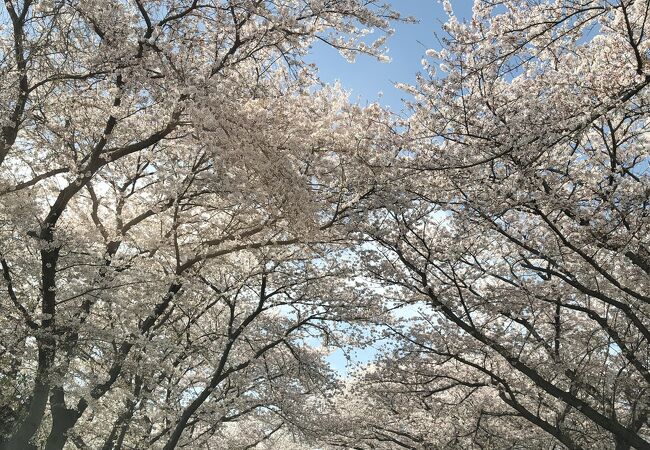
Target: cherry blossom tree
[
  {"x": 518, "y": 233},
  {"x": 412, "y": 400},
  {"x": 184, "y": 210},
  {"x": 175, "y": 190}
]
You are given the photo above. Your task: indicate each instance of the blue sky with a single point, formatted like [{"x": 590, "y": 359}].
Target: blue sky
[{"x": 367, "y": 76}]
